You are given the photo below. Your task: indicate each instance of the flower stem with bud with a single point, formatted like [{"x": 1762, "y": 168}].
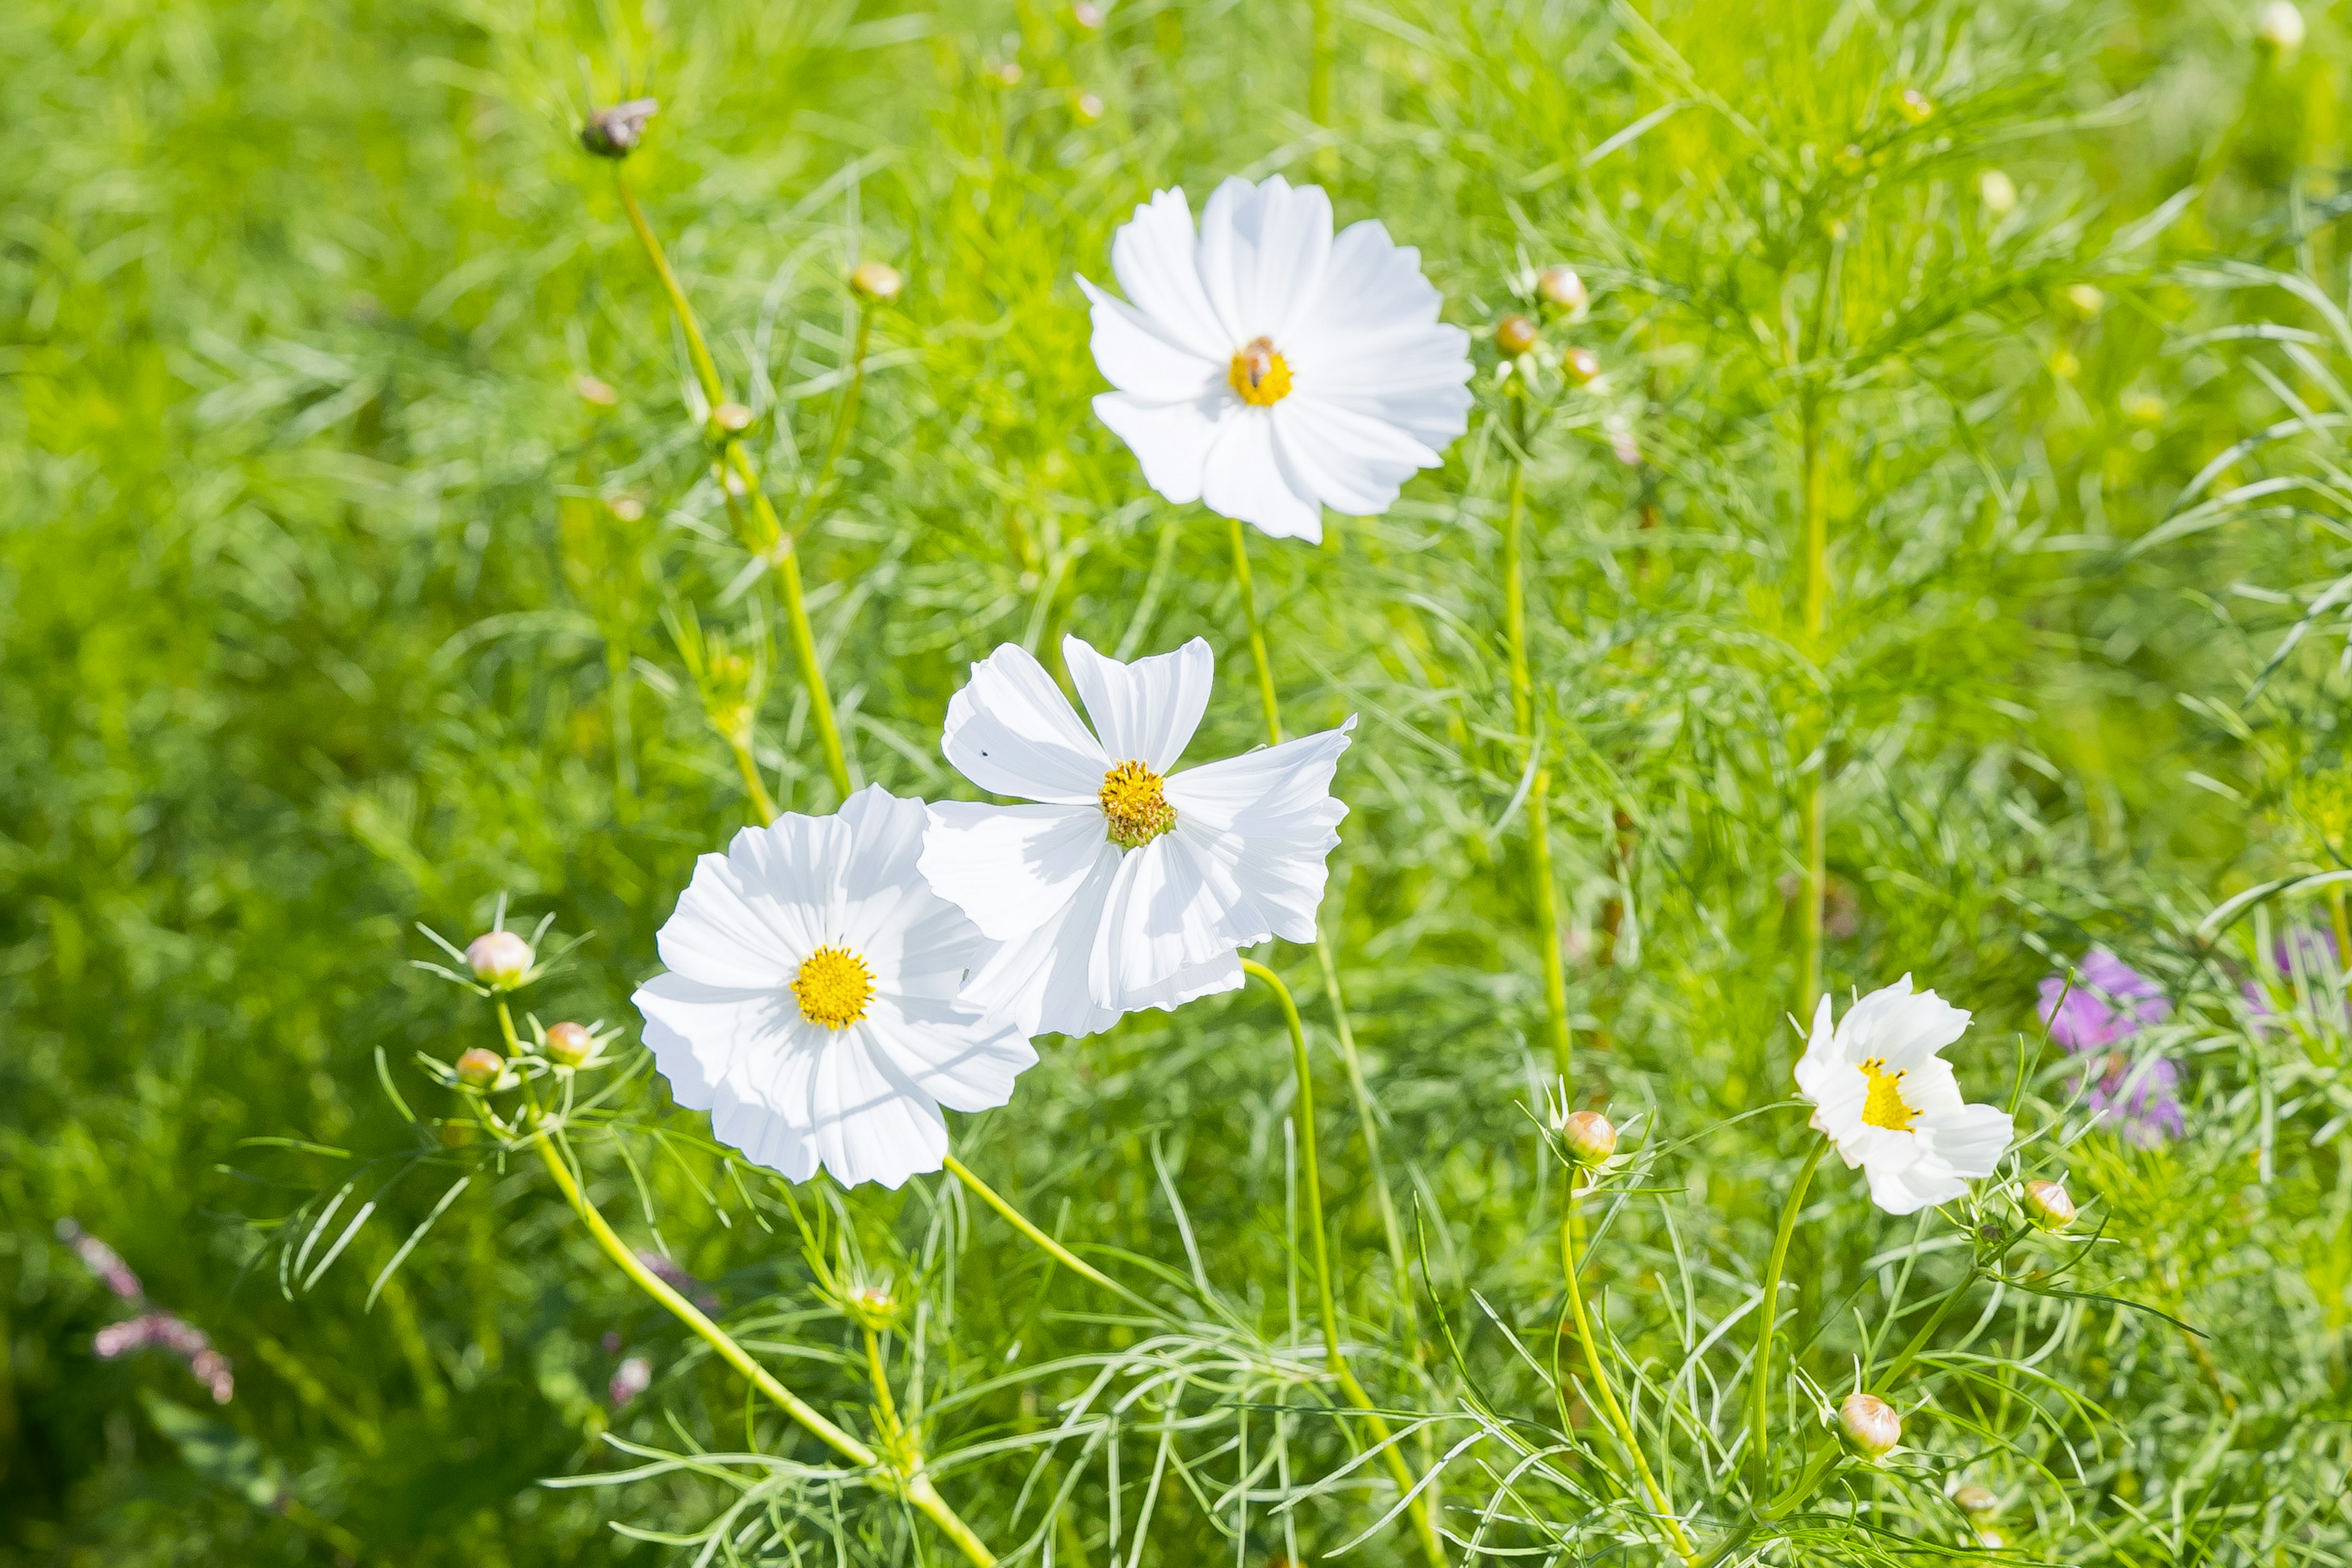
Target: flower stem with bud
[
  {"x": 1767, "y": 1309},
  {"x": 1514, "y": 631}
]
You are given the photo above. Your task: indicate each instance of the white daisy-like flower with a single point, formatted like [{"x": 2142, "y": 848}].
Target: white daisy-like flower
[
  {"x": 1882, "y": 1095},
  {"x": 1269, "y": 369},
  {"x": 1128, "y": 884},
  {"x": 811, "y": 1004}
]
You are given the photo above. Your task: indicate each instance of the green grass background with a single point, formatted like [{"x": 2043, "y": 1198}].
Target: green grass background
[{"x": 318, "y": 619}]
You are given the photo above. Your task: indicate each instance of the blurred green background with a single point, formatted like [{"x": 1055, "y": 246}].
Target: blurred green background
[{"x": 329, "y": 604}]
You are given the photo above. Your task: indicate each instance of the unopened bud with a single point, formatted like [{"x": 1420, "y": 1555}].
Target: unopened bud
[
  {"x": 1871, "y": 1427},
  {"x": 499, "y": 959},
  {"x": 1008, "y": 74},
  {"x": 1976, "y": 1501},
  {"x": 628, "y": 508},
  {"x": 614, "y": 132},
  {"x": 1086, "y": 14},
  {"x": 1581, "y": 365},
  {"x": 595, "y": 390},
  {"x": 480, "y": 1067},
  {"x": 569, "y": 1044},
  {"x": 1561, "y": 286},
  {"x": 1515, "y": 335},
  {"x": 1090, "y": 107},
  {"x": 2281, "y": 27},
  {"x": 732, "y": 418},
  {"x": 1916, "y": 106},
  {"x": 2047, "y": 1204},
  {"x": 872, "y": 1306},
  {"x": 1590, "y": 1140},
  {"x": 877, "y": 280},
  {"x": 1999, "y": 191},
  {"x": 2086, "y": 299}
]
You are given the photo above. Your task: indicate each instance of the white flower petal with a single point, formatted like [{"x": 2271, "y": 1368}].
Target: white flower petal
[
  {"x": 1353, "y": 464},
  {"x": 1907, "y": 1191},
  {"x": 1037, "y": 981},
  {"x": 1137, "y": 355},
  {"x": 1264, "y": 252},
  {"x": 1012, "y": 868},
  {"x": 954, "y": 1057},
  {"x": 1144, "y": 711},
  {"x": 1011, "y": 732},
  {"x": 734, "y": 925},
  {"x": 1971, "y": 1142},
  {"x": 867, "y": 1122},
  {"x": 1171, "y": 440},
  {"x": 1242, "y": 477},
  {"x": 1156, "y": 258},
  {"x": 1287, "y": 786},
  {"x": 1161, "y": 916},
  {"x": 1947, "y": 1142}
]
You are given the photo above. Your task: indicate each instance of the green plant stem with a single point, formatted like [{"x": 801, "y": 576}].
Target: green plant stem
[
  {"x": 1319, "y": 72},
  {"x": 763, "y": 806},
  {"x": 770, "y": 538},
  {"x": 1816, "y": 803},
  {"x": 2338, "y": 917},
  {"x": 1760, "y": 1401},
  {"x": 1546, "y": 898},
  {"x": 845, "y": 420},
  {"x": 916, "y": 1488},
  {"x": 1609, "y": 1406},
  {"x": 1055, "y": 1249},
  {"x": 1303, "y": 1117},
  {"x": 1257, "y": 636}
]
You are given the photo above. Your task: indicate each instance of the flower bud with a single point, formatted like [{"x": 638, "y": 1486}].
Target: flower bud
[
  {"x": 732, "y": 418},
  {"x": 872, "y": 1307},
  {"x": 595, "y": 390},
  {"x": 1580, "y": 364},
  {"x": 2047, "y": 1204},
  {"x": 569, "y": 1044},
  {"x": 2281, "y": 27},
  {"x": 1999, "y": 191},
  {"x": 1977, "y": 1503},
  {"x": 1592, "y": 1140},
  {"x": 1561, "y": 286},
  {"x": 631, "y": 1378},
  {"x": 2086, "y": 299},
  {"x": 1086, "y": 14},
  {"x": 1515, "y": 335},
  {"x": 499, "y": 959},
  {"x": 1916, "y": 106},
  {"x": 1090, "y": 107},
  {"x": 1871, "y": 1427},
  {"x": 480, "y": 1068},
  {"x": 877, "y": 280},
  {"x": 614, "y": 132}
]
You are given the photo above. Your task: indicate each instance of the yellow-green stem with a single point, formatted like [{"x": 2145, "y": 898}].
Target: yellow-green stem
[
  {"x": 2338, "y": 916},
  {"x": 1327, "y": 1305},
  {"x": 1021, "y": 1222},
  {"x": 1760, "y": 1400},
  {"x": 1816, "y": 805},
  {"x": 1256, "y": 638},
  {"x": 916, "y": 1489},
  {"x": 763, "y": 806},
  {"x": 1546, "y": 898},
  {"x": 769, "y": 538},
  {"x": 1615, "y": 1412}
]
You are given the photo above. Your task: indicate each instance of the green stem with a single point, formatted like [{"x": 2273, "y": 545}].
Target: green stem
[
  {"x": 1256, "y": 638},
  {"x": 1609, "y": 1406},
  {"x": 768, "y": 535},
  {"x": 763, "y": 806},
  {"x": 916, "y": 1488},
  {"x": 1303, "y": 1118},
  {"x": 1816, "y": 804},
  {"x": 1514, "y": 631},
  {"x": 845, "y": 420},
  {"x": 1760, "y": 1401},
  {"x": 1318, "y": 73},
  {"x": 1021, "y": 1222}
]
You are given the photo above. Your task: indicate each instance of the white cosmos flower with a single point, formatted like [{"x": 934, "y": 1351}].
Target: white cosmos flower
[
  {"x": 1269, "y": 369},
  {"x": 1890, "y": 1103},
  {"x": 811, "y": 1004},
  {"x": 1128, "y": 885}
]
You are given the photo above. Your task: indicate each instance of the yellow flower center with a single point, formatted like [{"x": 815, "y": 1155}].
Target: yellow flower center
[
  {"x": 834, "y": 986},
  {"x": 1884, "y": 1106},
  {"x": 1261, "y": 375},
  {"x": 1138, "y": 809}
]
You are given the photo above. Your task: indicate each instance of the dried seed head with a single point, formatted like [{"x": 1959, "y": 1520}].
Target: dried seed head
[
  {"x": 1561, "y": 286},
  {"x": 614, "y": 132},
  {"x": 569, "y": 1044},
  {"x": 1581, "y": 365},
  {"x": 480, "y": 1067},
  {"x": 499, "y": 959},
  {"x": 1515, "y": 335},
  {"x": 2047, "y": 1204},
  {"x": 1871, "y": 1427},
  {"x": 877, "y": 280},
  {"x": 1590, "y": 1140}
]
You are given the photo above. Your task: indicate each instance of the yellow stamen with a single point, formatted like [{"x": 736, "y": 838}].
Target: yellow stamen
[
  {"x": 834, "y": 986},
  {"x": 1132, "y": 800},
  {"x": 1884, "y": 1106},
  {"x": 1261, "y": 375}
]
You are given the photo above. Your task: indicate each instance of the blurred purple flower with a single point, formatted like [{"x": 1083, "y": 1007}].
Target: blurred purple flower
[
  {"x": 2304, "y": 947},
  {"x": 2138, "y": 1099},
  {"x": 161, "y": 1331},
  {"x": 100, "y": 1259},
  {"x": 631, "y": 1378},
  {"x": 680, "y": 1280},
  {"x": 2109, "y": 1001}
]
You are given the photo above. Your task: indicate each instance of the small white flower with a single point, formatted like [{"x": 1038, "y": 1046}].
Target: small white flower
[
  {"x": 1890, "y": 1103},
  {"x": 1269, "y": 369},
  {"x": 811, "y": 1003},
  {"x": 1129, "y": 885}
]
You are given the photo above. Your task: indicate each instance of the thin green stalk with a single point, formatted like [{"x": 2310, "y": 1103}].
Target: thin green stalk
[
  {"x": 1257, "y": 636},
  {"x": 769, "y": 536},
  {"x": 1816, "y": 804},
  {"x": 2343, "y": 924},
  {"x": 1760, "y": 1401},
  {"x": 1515, "y": 630},
  {"x": 845, "y": 420},
  {"x": 763, "y": 806},
  {"x": 916, "y": 1488},
  {"x": 1021, "y": 1222},
  {"x": 1326, "y": 1306},
  {"x": 1319, "y": 72},
  {"x": 1615, "y": 1412}
]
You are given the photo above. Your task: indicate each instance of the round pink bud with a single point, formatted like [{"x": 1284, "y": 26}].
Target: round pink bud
[
  {"x": 1871, "y": 1427},
  {"x": 2047, "y": 1204},
  {"x": 499, "y": 959},
  {"x": 1561, "y": 286},
  {"x": 596, "y": 390},
  {"x": 1592, "y": 1140},
  {"x": 1515, "y": 335},
  {"x": 480, "y": 1067},
  {"x": 1976, "y": 1501},
  {"x": 1581, "y": 365},
  {"x": 877, "y": 280},
  {"x": 731, "y": 417},
  {"x": 569, "y": 1044}
]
